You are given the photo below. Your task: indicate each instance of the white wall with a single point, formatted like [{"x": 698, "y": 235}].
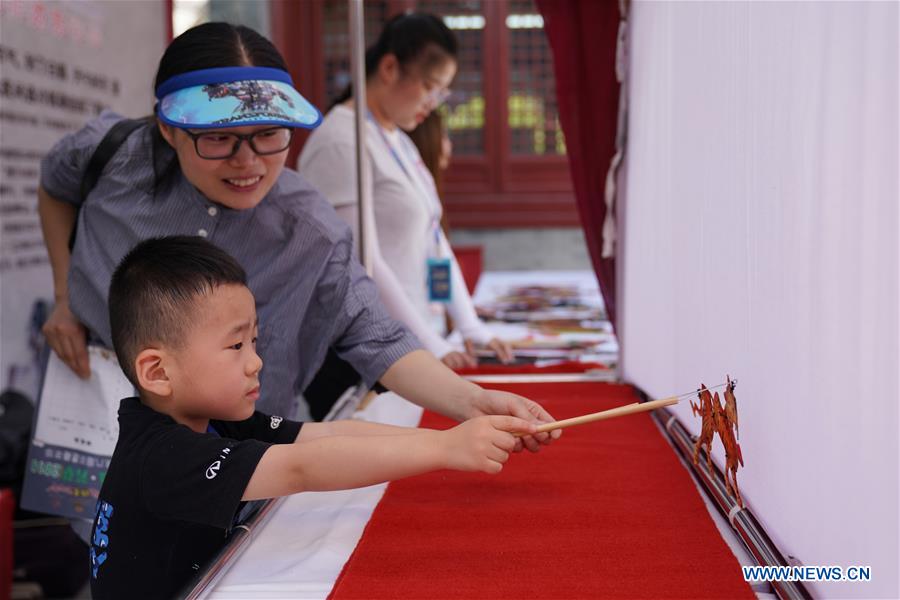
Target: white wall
[
  {"x": 93, "y": 53},
  {"x": 761, "y": 240}
]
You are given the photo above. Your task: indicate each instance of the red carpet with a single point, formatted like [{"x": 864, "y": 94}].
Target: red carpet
[{"x": 606, "y": 512}]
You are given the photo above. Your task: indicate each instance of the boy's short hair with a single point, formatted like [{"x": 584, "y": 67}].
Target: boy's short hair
[{"x": 153, "y": 292}]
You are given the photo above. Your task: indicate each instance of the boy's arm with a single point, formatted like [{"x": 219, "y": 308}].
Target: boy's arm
[
  {"x": 341, "y": 462},
  {"x": 311, "y": 431}
]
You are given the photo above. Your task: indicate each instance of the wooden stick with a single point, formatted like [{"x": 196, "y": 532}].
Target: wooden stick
[{"x": 620, "y": 411}]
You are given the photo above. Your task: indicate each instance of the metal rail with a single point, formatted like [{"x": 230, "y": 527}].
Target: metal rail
[
  {"x": 742, "y": 520},
  {"x": 253, "y": 517}
]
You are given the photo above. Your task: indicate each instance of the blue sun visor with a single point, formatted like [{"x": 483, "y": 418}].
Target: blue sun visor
[{"x": 234, "y": 97}]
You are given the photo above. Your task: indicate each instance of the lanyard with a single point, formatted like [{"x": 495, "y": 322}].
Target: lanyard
[{"x": 419, "y": 184}]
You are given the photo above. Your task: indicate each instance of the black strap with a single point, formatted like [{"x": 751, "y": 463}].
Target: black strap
[{"x": 108, "y": 146}]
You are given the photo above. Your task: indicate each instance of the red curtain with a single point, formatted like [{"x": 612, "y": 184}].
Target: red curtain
[{"x": 582, "y": 36}]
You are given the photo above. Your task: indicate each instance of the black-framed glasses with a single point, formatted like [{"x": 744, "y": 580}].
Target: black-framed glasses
[{"x": 217, "y": 145}]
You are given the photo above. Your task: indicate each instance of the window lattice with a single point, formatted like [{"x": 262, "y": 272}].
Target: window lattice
[
  {"x": 533, "y": 112},
  {"x": 336, "y": 41},
  {"x": 464, "y": 111}
]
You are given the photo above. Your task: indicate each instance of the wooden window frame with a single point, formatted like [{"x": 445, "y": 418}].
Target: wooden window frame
[{"x": 496, "y": 190}]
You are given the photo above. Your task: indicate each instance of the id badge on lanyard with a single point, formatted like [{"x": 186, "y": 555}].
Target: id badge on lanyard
[
  {"x": 440, "y": 287},
  {"x": 439, "y": 271}
]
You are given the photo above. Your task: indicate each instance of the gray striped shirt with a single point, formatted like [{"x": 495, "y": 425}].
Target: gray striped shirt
[{"x": 310, "y": 291}]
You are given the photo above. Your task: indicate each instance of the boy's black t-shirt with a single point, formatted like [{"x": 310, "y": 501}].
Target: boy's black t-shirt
[{"x": 170, "y": 496}]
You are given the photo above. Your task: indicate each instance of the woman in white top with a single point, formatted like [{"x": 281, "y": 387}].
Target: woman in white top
[{"x": 408, "y": 72}]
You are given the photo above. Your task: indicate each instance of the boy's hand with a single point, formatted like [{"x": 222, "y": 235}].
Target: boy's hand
[
  {"x": 495, "y": 402},
  {"x": 483, "y": 443}
]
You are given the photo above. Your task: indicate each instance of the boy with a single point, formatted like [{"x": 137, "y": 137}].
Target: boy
[{"x": 191, "y": 448}]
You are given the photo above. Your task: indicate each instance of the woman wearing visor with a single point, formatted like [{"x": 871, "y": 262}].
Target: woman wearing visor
[
  {"x": 408, "y": 71},
  {"x": 210, "y": 163}
]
